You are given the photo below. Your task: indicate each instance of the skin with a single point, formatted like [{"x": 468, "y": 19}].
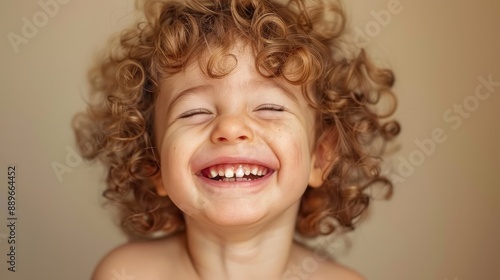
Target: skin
[{"x": 234, "y": 230}]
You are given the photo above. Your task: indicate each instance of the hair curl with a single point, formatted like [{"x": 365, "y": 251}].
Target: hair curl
[{"x": 297, "y": 41}]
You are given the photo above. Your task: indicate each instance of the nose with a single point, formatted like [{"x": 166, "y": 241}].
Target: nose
[{"x": 232, "y": 129}]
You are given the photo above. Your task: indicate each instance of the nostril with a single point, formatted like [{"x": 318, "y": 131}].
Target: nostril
[{"x": 224, "y": 139}]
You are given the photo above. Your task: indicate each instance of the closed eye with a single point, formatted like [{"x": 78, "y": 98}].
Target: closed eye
[
  {"x": 194, "y": 112},
  {"x": 271, "y": 107}
]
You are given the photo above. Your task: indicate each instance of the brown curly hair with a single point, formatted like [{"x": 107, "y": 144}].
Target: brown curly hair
[{"x": 298, "y": 41}]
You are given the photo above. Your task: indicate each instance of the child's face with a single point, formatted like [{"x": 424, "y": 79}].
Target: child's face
[{"x": 210, "y": 131}]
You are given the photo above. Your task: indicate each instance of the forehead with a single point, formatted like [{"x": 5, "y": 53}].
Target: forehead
[{"x": 235, "y": 68}]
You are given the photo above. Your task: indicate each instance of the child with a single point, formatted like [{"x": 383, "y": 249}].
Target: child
[{"x": 231, "y": 128}]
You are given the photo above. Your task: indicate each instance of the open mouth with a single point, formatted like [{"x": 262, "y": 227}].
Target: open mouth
[{"x": 235, "y": 172}]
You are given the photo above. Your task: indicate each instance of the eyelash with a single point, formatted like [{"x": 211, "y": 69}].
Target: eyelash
[
  {"x": 193, "y": 112},
  {"x": 264, "y": 107},
  {"x": 271, "y": 107}
]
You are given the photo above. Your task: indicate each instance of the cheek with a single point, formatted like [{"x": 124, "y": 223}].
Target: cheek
[
  {"x": 302, "y": 151},
  {"x": 174, "y": 159},
  {"x": 175, "y": 143},
  {"x": 297, "y": 171},
  {"x": 292, "y": 143}
]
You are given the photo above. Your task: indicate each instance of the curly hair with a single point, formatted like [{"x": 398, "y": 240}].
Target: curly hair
[{"x": 297, "y": 41}]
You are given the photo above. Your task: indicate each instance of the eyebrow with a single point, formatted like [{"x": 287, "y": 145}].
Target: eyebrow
[
  {"x": 255, "y": 83},
  {"x": 189, "y": 91},
  {"x": 271, "y": 83}
]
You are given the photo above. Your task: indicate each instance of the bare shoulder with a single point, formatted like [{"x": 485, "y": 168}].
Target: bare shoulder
[
  {"x": 139, "y": 260},
  {"x": 319, "y": 266}
]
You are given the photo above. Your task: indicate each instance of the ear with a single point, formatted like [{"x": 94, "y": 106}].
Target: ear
[
  {"x": 158, "y": 182},
  {"x": 316, "y": 173},
  {"x": 321, "y": 161}
]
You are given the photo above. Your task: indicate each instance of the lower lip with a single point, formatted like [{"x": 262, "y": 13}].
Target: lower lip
[{"x": 252, "y": 186}]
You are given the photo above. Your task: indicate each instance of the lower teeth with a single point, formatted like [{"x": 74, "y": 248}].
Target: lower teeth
[{"x": 233, "y": 179}]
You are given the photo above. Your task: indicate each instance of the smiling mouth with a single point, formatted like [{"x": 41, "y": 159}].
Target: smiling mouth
[{"x": 235, "y": 172}]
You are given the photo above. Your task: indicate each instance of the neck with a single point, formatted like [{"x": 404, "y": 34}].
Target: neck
[{"x": 250, "y": 252}]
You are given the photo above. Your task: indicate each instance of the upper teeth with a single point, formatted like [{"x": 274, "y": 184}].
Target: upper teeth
[{"x": 237, "y": 171}]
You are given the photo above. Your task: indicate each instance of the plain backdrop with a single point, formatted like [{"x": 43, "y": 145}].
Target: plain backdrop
[{"x": 441, "y": 223}]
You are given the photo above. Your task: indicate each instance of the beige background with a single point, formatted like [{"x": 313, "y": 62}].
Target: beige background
[{"x": 442, "y": 223}]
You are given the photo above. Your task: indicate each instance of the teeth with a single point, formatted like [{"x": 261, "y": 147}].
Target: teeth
[
  {"x": 229, "y": 172},
  {"x": 233, "y": 179},
  {"x": 254, "y": 170},
  {"x": 239, "y": 172},
  {"x": 243, "y": 179}
]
